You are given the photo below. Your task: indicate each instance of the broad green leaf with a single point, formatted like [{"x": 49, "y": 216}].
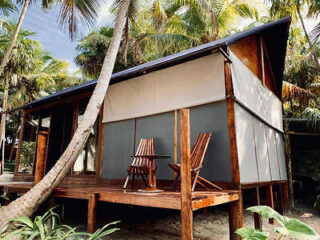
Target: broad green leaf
[
  {"x": 247, "y": 233},
  {"x": 297, "y": 229},
  {"x": 23, "y": 220},
  {"x": 264, "y": 211}
]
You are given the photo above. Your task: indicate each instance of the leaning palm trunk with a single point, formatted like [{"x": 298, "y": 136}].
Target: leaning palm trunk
[
  {"x": 29, "y": 202},
  {"x": 3, "y": 120},
  {"x": 14, "y": 37}
]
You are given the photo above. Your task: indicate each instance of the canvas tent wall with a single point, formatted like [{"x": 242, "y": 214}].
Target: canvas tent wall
[
  {"x": 144, "y": 107},
  {"x": 258, "y": 118}
]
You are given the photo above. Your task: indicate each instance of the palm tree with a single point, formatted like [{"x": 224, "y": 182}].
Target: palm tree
[
  {"x": 6, "y": 8},
  {"x": 71, "y": 12},
  {"x": 294, "y": 8},
  {"x": 160, "y": 29},
  {"x": 30, "y": 201},
  {"x": 20, "y": 61}
]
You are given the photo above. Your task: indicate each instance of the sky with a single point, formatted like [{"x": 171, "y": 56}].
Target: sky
[
  {"x": 56, "y": 40},
  {"x": 53, "y": 38}
]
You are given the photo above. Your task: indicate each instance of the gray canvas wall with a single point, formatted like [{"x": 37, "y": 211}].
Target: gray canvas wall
[
  {"x": 212, "y": 117},
  {"x": 118, "y": 147}
]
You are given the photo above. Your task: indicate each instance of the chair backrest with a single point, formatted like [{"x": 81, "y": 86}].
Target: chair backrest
[
  {"x": 199, "y": 150},
  {"x": 145, "y": 147}
]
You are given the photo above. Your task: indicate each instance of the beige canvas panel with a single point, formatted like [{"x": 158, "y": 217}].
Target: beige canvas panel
[{"x": 188, "y": 84}]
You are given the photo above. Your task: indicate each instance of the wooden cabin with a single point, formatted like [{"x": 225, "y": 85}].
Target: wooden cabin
[{"x": 230, "y": 87}]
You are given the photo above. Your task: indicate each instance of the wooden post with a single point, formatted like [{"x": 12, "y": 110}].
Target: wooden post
[
  {"x": 41, "y": 156},
  {"x": 235, "y": 218},
  {"x": 284, "y": 197},
  {"x": 235, "y": 208},
  {"x": 288, "y": 162},
  {"x": 186, "y": 198},
  {"x": 92, "y": 213},
  {"x": 232, "y": 128},
  {"x": 175, "y": 149},
  {"x": 270, "y": 201},
  {"x": 256, "y": 201}
]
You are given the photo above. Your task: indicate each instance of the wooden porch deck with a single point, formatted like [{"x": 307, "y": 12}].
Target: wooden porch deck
[{"x": 170, "y": 198}]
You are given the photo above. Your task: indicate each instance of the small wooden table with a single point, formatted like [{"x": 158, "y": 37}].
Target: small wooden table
[{"x": 152, "y": 185}]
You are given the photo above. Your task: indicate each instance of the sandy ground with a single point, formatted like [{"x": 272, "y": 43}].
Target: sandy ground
[{"x": 157, "y": 224}]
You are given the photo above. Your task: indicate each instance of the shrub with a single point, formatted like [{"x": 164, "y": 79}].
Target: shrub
[
  {"x": 48, "y": 227},
  {"x": 288, "y": 227}
]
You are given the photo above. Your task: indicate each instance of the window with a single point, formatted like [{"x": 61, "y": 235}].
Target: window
[
  {"x": 28, "y": 144},
  {"x": 86, "y": 162}
]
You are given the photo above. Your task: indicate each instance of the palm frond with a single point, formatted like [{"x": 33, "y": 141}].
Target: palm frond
[{"x": 74, "y": 11}]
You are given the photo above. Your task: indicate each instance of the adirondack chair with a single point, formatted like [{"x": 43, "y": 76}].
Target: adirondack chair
[
  {"x": 197, "y": 155},
  {"x": 140, "y": 165}
]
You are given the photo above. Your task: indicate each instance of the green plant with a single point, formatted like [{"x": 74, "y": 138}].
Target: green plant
[
  {"x": 288, "y": 227},
  {"x": 48, "y": 227}
]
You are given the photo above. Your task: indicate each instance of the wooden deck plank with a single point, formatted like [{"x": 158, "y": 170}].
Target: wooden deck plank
[{"x": 169, "y": 198}]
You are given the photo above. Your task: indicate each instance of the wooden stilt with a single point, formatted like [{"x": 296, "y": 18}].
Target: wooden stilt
[
  {"x": 52, "y": 201},
  {"x": 186, "y": 201},
  {"x": 284, "y": 197},
  {"x": 235, "y": 218},
  {"x": 256, "y": 201},
  {"x": 270, "y": 201},
  {"x": 92, "y": 213}
]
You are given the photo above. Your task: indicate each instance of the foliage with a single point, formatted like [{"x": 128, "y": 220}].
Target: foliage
[
  {"x": 48, "y": 226},
  {"x": 161, "y": 28},
  {"x": 288, "y": 226}
]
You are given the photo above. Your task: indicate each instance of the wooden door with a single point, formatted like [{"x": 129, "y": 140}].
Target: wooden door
[{"x": 41, "y": 156}]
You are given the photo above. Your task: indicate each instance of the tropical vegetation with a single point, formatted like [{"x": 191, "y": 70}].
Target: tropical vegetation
[
  {"x": 143, "y": 31},
  {"x": 288, "y": 227}
]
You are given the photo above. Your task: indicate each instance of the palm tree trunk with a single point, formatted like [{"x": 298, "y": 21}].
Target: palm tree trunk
[
  {"x": 315, "y": 58},
  {"x": 29, "y": 202},
  {"x": 3, "y": 119},
  {"x": 14, "y": 37}
]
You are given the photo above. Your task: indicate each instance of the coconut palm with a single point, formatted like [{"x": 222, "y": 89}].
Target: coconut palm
[
  {"x": 71, "y": 12},
  {"x": 30, "y": 201},
  {"x": 6, "y": 8}
]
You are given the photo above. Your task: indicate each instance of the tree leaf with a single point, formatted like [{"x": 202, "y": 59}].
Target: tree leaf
[
  {"x": 297, "y": 229},
  {"x": 247, "y": 233}
]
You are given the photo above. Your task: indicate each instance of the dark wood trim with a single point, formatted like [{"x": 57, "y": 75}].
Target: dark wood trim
[
  {"x": 261, "y": 184},
  {"x": 100, "y": 145},
  {"x": 231, "y": 125},
  {"x": 66, "y": 100},
  {"x": 186, "y": 198}
]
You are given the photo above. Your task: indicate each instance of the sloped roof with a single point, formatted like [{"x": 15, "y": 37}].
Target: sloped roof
[{"x": 275, "y": 36}]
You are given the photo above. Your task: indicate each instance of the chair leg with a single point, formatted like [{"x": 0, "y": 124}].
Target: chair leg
[
  {"x": 126, "y": 182},
  {"x": 132, "y": 184},
  {"x": 144, "y": 180},
  {"x": 209, "y": 183}
]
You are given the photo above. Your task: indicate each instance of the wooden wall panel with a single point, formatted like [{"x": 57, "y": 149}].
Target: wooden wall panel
[{"x": 247, "y": 51}]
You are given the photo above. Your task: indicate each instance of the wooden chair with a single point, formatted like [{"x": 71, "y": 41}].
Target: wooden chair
[
  {"x": 140, "y": 165},
  {"x": 197, "y": 155}
]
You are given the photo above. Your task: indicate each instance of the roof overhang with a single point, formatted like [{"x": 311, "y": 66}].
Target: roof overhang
[{"x": 275, "y": 35}]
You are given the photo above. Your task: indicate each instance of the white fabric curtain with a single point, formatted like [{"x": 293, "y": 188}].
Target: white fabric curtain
[
  {"x": 260, "y": 149},
  {"x": 249, "y": 90},
  {"x": 189, "y": 84}
]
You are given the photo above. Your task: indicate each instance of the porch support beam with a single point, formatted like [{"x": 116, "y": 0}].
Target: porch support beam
[
  {"x": 186, "y": 198},
  {"x": 235, "y": 218},
  {"x": 270, "y": 201},
  {"x": 92, "y": 212},
  {"x": 256, "y": 201}
]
